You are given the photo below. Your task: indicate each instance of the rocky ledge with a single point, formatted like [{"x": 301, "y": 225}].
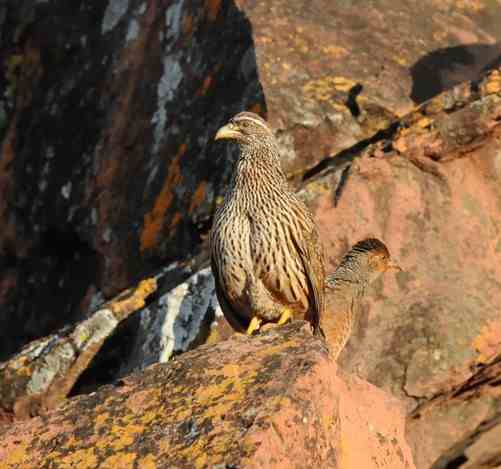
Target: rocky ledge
[{"x": 276, "y": 400}]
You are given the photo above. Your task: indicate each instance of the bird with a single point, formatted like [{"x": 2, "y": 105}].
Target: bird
[
  {"x": 346, "y": 287},
  {"x": 266, "y": 255}
]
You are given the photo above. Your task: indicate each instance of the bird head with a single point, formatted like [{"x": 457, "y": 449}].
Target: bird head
[
  {"x": 375, "y": 255},
  {"x": 246, "y": 128}
]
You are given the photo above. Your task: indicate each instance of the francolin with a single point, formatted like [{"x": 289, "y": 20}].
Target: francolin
[
  {"x": 346, "y": 287},
  {"x": 266, "y": 256}
]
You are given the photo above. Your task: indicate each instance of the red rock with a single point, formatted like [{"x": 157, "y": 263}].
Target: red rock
[
  {"x": 334, "y": 73},
  {"x": 441, "y": 220},
  {"x": 462, "y": 426},
  {"x": 267, "y": 402}
]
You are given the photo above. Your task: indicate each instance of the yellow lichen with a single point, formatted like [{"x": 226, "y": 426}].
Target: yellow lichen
[
  {"x": 336, "y": 52},
  {"x": 101, "y": 420},
  {"x": 17, "y": 456},
  {"x": 322, "y": 89},
  {"x": 148, "y": 462},
  {"x": 121, "y": 460},
  {"x": 84, "y": 458},
  {"x": 120, "y": 437},
  {"x": 401, "y": 61},
  {"x": 424, "y": 122},
  {"x": 488, "y": 342},
  {"x": 493, "y": 85}
]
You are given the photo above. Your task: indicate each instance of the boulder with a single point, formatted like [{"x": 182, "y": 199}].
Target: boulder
[{"x": 270, "y": 401}]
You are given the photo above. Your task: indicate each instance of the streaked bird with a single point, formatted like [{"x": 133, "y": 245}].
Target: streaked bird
[
  {"x": 346, "y": 287},
  {"x": 266, "y": 256}
]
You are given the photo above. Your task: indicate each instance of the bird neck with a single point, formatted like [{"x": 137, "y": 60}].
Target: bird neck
[
  {"x": 257, "y": 176},
  {"x": 352, "y": 276}
]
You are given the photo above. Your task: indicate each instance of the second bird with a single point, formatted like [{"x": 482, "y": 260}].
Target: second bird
[{"x": 266, "y": 256}]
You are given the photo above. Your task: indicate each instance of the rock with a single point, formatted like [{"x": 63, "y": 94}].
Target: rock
[
  {"x": 175, "y": 322},
  {"x": 108, "y": 110},
  {"x": 269, "y": 401},
  {"x": 334, "y": 73},
  {"x": 461, "y": 428},
  {"x": 43, "y": 373},
  {"x": 429, "y": 188},
  {"x": 107, "y": 167}
]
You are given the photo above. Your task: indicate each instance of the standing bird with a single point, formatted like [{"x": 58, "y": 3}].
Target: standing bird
[
  {"x": 346, "y": 287},
  {"x": 266, "y": 256}
]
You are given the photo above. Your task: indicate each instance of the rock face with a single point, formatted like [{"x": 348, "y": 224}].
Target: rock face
[
  {"x": 267, "y": 402},
  {"x": 108, "y": 175},
  {"x": 335, "y": 72},
  {"x": 462, "y": 427},
  {"x": 430, "y": 189},
  {"x": 104, "y": 126},
  {"x": 44, "y": 372},
  {"x": 107, "y": 112}
]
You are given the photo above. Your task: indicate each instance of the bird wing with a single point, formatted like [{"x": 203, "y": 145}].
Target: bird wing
[
  {"x": 310, "y": 253},
  {"x": 229, "y": 312}
]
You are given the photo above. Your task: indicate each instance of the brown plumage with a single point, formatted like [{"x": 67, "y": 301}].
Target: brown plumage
[
  {"x": 266, "y": 256},
  {"x": 345, "y": 288}
]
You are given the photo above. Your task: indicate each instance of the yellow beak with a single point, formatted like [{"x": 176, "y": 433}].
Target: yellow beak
[{"x": 228, "y": 131}]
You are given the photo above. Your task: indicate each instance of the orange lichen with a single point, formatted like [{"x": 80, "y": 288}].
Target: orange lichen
[
  {"x": 488, "y": 342},
  {"x": 213, "y": 7},
  {"x": 82, "y": 458},
  {"x": 187, "y": 25},
  {"x": 336, "y": 52},
  {"x": 198, "y": 196},
  {"x": 493, "y": 85},
  {"x": 207, "y": 83},
  {"x": 121, "y": 460},
  {"x": 424, "y": 122},
  {"x": 148, "y": 462},
  {"x": 154, "y": 220},
  {"x": 120, "y": 437},
  {"x": 176, "y": 218},
  {"x": 256, "y": 108}
]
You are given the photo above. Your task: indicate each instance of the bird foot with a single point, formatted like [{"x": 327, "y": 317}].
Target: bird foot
[
  {"x": 285, "y": 317},
  {"x": 254, "y": 325}
]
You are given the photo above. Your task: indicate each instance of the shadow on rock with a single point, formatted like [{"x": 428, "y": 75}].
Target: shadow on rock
[
  {"x": 107, "y": 124},
  {"x": 445, "y": 68}
]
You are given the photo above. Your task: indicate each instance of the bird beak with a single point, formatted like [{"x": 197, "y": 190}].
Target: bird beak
[
  {"x": 228, "y": 131},
  {"x": 394, "y": 267}
]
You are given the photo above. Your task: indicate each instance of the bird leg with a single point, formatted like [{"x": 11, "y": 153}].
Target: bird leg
[
  {"x": 254, "y": 325},
  {"x": 285, "y": 316}
]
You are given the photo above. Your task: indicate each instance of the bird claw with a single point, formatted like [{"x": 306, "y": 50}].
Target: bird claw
[
  {"x": 254, "y": 325},
  {"x": 285, "y": 317}
]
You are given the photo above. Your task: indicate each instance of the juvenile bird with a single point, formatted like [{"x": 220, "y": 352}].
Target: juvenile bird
[
  {"x": 266, "y": 257},
  {"x": 346, "y": 287}
]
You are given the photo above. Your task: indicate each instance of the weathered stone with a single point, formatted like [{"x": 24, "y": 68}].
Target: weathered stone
[
  {"x": 106, "y": 167},
  {"x": 270, "y": 401},
  {"x": 431, "y": 192},
  {"x": 335, "y": 72},
  {"x": 42, "y": 374},
  {"x": 461, "y": 428},
  {"x": 177, "y": 321}
]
